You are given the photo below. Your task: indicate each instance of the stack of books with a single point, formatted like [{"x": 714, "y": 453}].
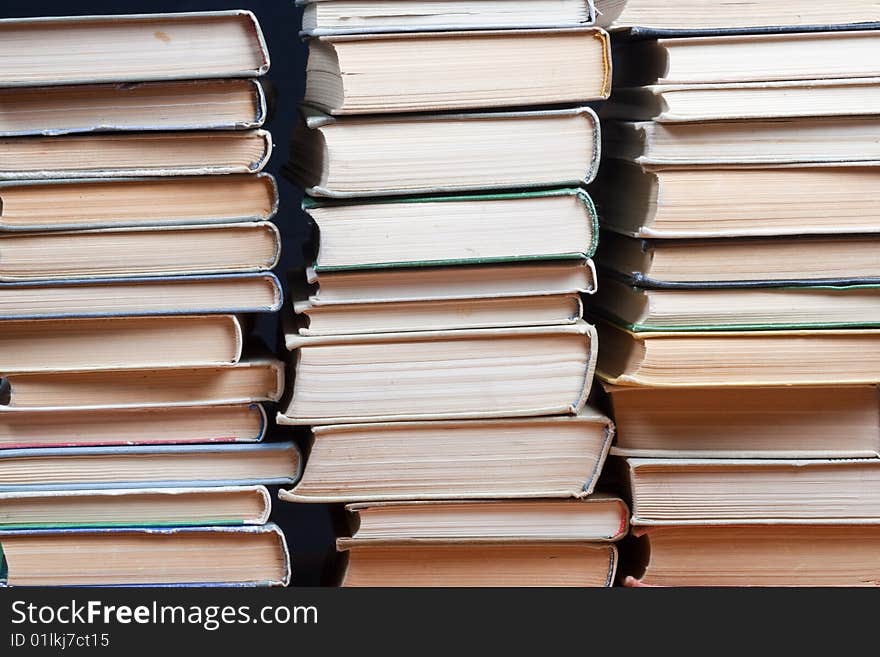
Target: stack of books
[
  {"x": 440, "y": 356},
  {"x": 740, "y": 296},
  {"x": 135, "y": 234}
]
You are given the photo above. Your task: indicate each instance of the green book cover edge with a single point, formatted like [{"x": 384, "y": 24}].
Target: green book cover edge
[
  {"x": 703, "y": 328},
  {"x": 310, "y": 202}
]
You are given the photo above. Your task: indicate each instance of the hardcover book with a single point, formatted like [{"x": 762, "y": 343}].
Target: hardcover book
[
  {"x": 444, "y": 153},
  {"x": 737, "y": 491},
  {"x": 131, "y": 48},
  {"x": 153, "y": 466},
  {"x": 321, "y": 17},
  {"x": 135, "y": 507},
  {"x": 699, "y": 16},
  {"x": 127, "y": 155},
  {"x": 155, "y": 296},
  {"x": 664, "y": 202},
  {"x": 435, "y": 284},
  {"x": 429, "y": 231},
  {"x": 115, "y": 203},
  {"x": 348, "y": 74},
  {"x": 834, "y": 260},
  {"x": 597, "y": 518},
  {"x": 471, "y": 374},
  {"x": 73, "y": 427},
  {"x": 140, "y": 251},
  {"x": 549, "y": 457},
  {"x": 738, "y": 358},
  {"x": 119, "y": 342},
  {"x": 251, "y": 380},
  {"x": 182, "y": 556},
  {"x": 801, "y": 422},
  {"x": 150, "y": 106},
  {"x": 760, "y": 555}
]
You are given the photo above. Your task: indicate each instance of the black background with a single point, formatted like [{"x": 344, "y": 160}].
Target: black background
[{"x": 308, "y": 527}]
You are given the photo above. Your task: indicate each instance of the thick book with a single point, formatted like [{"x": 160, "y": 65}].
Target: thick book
[
  {"x": 426, "y": 231},
  {"x": 748, "y": 58},
  {"x": 153, "y": 466},
  {"x": 738, "y": 358},
  {"x": 140, "y": 251},
  {"x": 473, "y": 374},
  {"x": 135, "y": 507},
  {"x": 349, "y": 74},
  {"x": 115, "y": 203},
  {"x": 250, "y": 380},
  {"x": 784, "y": 422},
  {"x": 322, "y": 17},
  {"x": 641, "y": 309},
  {"x": 150, "y": 106},
  {"x": 435, "y": 284},
  {"x": 131, "y": 48},
  {"x": 133, "y": 154},
  {"x": 735, "y": 262},
  {"x": 597, "y": 518},
  {"x": 806, "y": 142},
  {"x": 551, "y": 457},
  {"x": 789, "y": 555},
  {"x": 685, "y": 103},
  {"x": 119, "y": 342},
  {"x": 665, "y": 202},
  {"x": 444, "y": 153},
  {"x": 108, "y": 298},
  {"x": 732, "y": 491},
  {"x": 73, "y": 427},
  {"x": 181, "y": 556},
  {"x": 698, "y": 16},
  {"x": 515, "y": 564},
  {"x": 438, "y": 315}
]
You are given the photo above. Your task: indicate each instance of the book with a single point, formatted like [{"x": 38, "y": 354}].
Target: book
[
  {"x": 140, "y": 251},
  {"x": 349, "y": 74},
  {"x": 738, "y": 358},
  {"x": 509, "y": 565},
  {"x": 760, "y": 555},
  {"x": 438, "y": 315},
  {"x": 251, "y": 380},
  {"x": 188, "y": 105},
  {"x": 745, "y": 309},
  {"x": 795, "y": 142},
  {"x": 114, "y": 203},
  {"x": 444, "y": 153},
  {"x": 684, "y": 103},
  {"x": 693, "y": 202},
  {"x": 74, "y": 427},
  {"x": 453, "y": 230},
  {"x": 131, "y": 48},
  {"x": 153, "y": 466},
  {"x": 553, "y": 457},
  {"x": 135, "y": 507},
  {"x": 154, "y": 296},
  {"x": 701, "y": 15},
  {"x": 480, "y": 373},
  {"x": 433, "y": 284},
  {"x": 762, "y": 57},
  {"x": 126, "y": 155},
  {"x": 731, "y": 491},
  {"x": 346, "y": 16},
  {"x": 770, "y": 262},
  {"x": 783, "y": 422},
  {"x": 597, "y": 518},
  {"x": 119, "y": 342},
  {"x": 183, "y": 556}
]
